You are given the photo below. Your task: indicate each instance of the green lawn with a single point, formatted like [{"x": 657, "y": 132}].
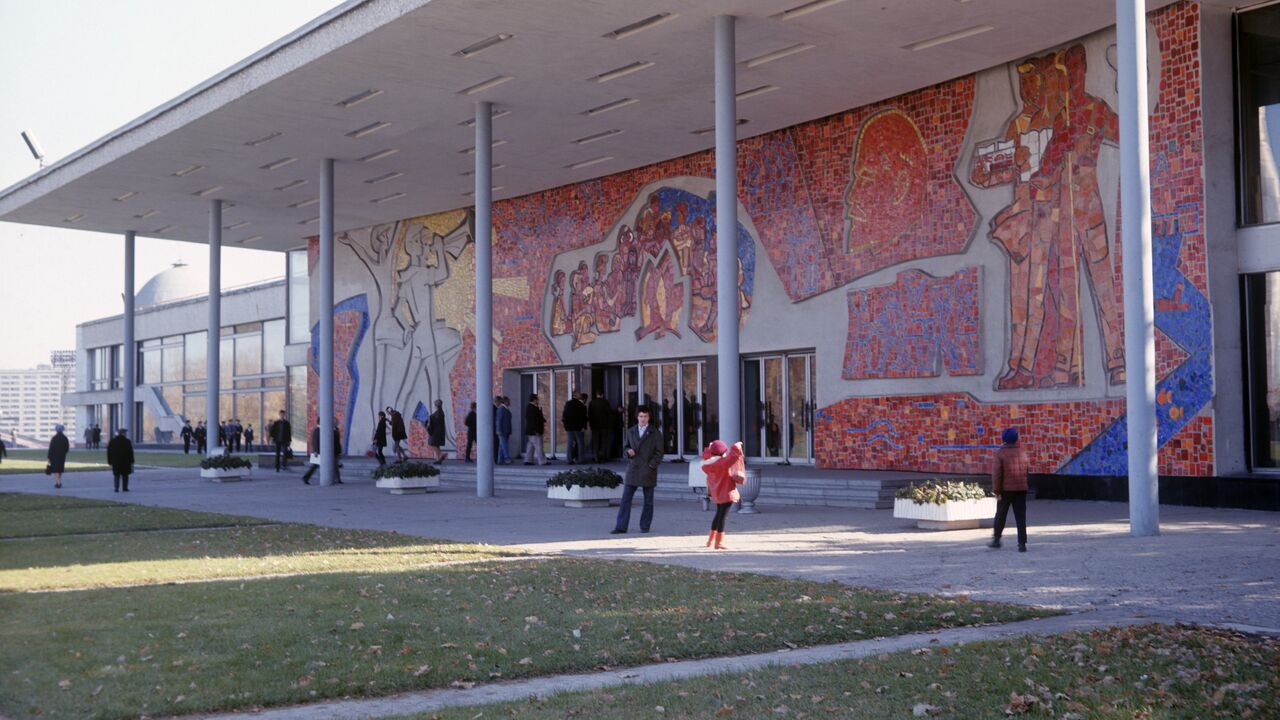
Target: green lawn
[
  {"x": 368, "y": 613},
  {"x": 1140, "y": 672},
  {"x": 44, "y": 515},
  {"x": 33, "y": 461}
]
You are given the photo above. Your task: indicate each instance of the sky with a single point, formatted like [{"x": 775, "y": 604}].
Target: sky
[{"x": 74, "y": 71}]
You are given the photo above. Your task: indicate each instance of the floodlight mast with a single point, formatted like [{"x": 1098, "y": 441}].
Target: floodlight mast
[{"x": 34, "y": 146}]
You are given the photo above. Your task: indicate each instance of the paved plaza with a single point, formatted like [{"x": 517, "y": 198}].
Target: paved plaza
[{"x": 1208, "y": 565}]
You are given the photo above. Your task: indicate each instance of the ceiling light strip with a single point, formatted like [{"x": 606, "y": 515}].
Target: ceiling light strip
[
  {"x": 147, "y": 214},
  {"x": 471, "y": 121},
  {"x": 948, "y": 38},
  {"x": 711, "y": 129},
  {"x": 598, "y": 136},
  {"x": 472, "y": 150},
  {"x": 384, "y": 178},
  {"x": 207, "y": 191},
  {"x": 236, "y": 226},
  {"x": 379, "y": 155},
  {"x": 785, "y": 52},
  {"x": 589, "y": 163},
  {"x": 805, "y": 9},
  {"x": 369, "y": 129},
  {"x": 469, "y": 193},
  {"x": 607, "y": 107},
  {"x": 469, "y": 173},
  {"x": 292, "y": 185},
  {"x": 248, "y": 240},
  {"x": 623, "y": 71},
  {"x": 263, "y": 139},
  {"x": 387, "y": 198},
  {"x": 305, "y": 203},
  {"x": 72, "y": 218},
  {"x": 489, "y": 84},
  {"x": 756, "y": 92},
  {"x": 485, "y": 44},
  {"x": 276, "y": 164},
  {"x": 648, "y": 23},
  {"x": 310, "y": 220},
  {"x": 358, "y": 98},
  {"x": 188, "y": 170},
  {"x": 161, "y": 230},
  {"x": 126, "y": 196}
]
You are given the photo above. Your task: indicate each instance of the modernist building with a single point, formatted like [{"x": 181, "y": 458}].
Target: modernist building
[
  {"x": 854, "y": 237},
  {"x": 171, "y": 347},
  {"x": 31, "y": 400}
]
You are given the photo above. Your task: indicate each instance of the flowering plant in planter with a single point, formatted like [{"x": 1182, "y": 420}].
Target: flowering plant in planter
[
  {"x": 586, "y": 477},
  {"x": 936, "y": 492},
  {"x": 405, "y": 469},
  {"x": 225, "y": 462}
]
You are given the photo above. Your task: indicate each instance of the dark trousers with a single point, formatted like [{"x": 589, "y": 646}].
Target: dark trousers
[
  {"x": 121, "y": 479},
  {"x": 722, "y": 511},
  {"x": 624, "y": 511},
  {"x": 471, "y": 443},
  {"x": 280, "y": 455},
  {"x": 186, "y": 445},
  {"x": 1019, "y": 502},
  {"x": 311, "y": 470},
  {"x": 377, "y": 451},
  {"x": 200, "y": 447},
  {"x": 600, "y": 444},
  {"x": 577, "y": 446}
]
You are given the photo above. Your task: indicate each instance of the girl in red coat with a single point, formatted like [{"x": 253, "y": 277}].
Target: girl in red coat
[{"x": 725, "y": 470}]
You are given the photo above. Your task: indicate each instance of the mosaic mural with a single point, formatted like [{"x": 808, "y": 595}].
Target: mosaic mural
[
  {"x": 914, "y": 327},
  {"x": 959, "y": 241}
]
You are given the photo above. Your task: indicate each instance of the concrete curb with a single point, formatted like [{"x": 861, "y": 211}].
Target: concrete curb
[{"x": 433, "y": 700}]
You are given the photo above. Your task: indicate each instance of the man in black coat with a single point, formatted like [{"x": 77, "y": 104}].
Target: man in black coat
[
  {"x": 535, "y": 424},
  {"x": 470, "y": 422},
  {"x": 437, "y": 435},
  {"x": 281, "y": 435},
  {"x": 380, "y": 438},
  {"x": 574, "y": 419},
  {"x": 598, "y": 415},
  {"x": 186, "y": 433},
  {"x": 315, "y": 450},
  {"x": 97, "y": 436},
  {"x": 643, "y": 448},
  {"x": 120, "y": 458},
  {"x": 201, "y": 435}
]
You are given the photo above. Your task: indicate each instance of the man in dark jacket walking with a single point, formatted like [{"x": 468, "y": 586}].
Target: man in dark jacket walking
[
  {"x": 187, "y": 433},
  {"x": 281, "y": 436},
  {"x": 643, "y": 448},
  {"x": 380, "y": 438},
  {"x": 437, "y": 436},
  {"x": 315, "y": 450},
  {"x": 598, "y": 414},
  {"x": 120, "y": 458},
  {"x": 97, "y": 437},
  {"x": 399, "y": 434},
  {"x": 535, "y": 424},
  {"x": 574, "y": 419},
  {"x": 502, "y": 428},
  {"x": 201, "y": 435},
  {"x": 470, "y": 422}
]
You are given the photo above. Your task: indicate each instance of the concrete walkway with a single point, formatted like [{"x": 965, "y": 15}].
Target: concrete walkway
[
  {"x": 1208, "y": 566},
  {"x": 497, "y": 692}
]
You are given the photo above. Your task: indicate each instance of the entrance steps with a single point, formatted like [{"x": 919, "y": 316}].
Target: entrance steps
[{"x": 779, "y": 484}]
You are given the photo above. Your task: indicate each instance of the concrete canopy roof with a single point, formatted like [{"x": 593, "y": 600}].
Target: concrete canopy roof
[{"x": 255, "y": 135}]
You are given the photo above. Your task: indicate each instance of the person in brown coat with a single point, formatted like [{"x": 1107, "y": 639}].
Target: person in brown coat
[{"x": 1009, "y": 483}]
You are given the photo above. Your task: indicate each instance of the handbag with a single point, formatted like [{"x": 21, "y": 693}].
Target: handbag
[{"x": 48, "y": 468}]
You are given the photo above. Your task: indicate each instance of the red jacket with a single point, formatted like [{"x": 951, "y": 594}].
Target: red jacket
[{"x": 723, "y": 473}]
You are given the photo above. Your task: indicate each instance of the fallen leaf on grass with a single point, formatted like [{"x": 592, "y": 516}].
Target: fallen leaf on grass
[
  {"x": 422, "y": 670},
  {"x": 462, "y": 684},
  {"x": 925, "y": 710}
]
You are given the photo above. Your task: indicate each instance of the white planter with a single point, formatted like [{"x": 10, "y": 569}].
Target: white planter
[
  {"x": 409, "y": 486},
  {"x": 219, "y": 475},
  {"x": 953, "y": 515},
  {"x": 578, "y": 496}
]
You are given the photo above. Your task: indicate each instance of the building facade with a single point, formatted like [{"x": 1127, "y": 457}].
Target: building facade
[
  {"x": 171, "y": 343},
  {"x": 31, "y": 401},
  {"x": 914, "y": 276}
]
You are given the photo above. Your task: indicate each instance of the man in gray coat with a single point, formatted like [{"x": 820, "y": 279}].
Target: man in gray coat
[{"x": 643, "y": 448}]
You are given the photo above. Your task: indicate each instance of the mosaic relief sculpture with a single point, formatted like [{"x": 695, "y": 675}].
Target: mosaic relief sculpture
[
  {"x": 414, "y": 347},
  {"x": 886, "y": 195},
  {"x": 1055, "y": 225},
  {"x": 669, "y": 246},
  {"x": 915, "y": 327}
]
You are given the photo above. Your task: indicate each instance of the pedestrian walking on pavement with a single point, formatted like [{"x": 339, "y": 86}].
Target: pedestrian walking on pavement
[
  {"x": 535, "y": 424},
  {"x": 187, "y": 433},
  {"x": 59, "y": 446},
  {"x": 725, "y": 471},
  {"x": 281, "y": 436},
  {"x": 380, "y": 438},
  {"x": 399, "y": 434},
  {"x": 1009, "y": 483},
  {"x": 248, "y": 438},
  {"x": 470, "y": 422},
  {"x": 574, "y": 419},
  {"x": 502, "y": 428},
  {"x": 120, "y": 458},
  {"x": 315, "y": 453},
  {"x": 436, "y": 433}
]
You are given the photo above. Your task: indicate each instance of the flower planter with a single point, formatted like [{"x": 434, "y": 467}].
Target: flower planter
[
  {"x": 409, "y": 486},
  {"x": 580, "y": 496},
  {"x": 952, "y": 515},
  {"x": 220, "y": 475}
]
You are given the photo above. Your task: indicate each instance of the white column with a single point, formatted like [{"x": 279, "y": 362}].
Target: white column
[
  {"x": 130, "y": 353},
  {"x": 484, "y": 300},
  {"x": 729, "y": 365},
  {"x": 212, "y": 421},
  {"x": 1139, "y": 314},
  {"x": 328, "y": 463}
]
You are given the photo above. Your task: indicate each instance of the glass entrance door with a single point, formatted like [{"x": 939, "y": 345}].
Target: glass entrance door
[
  {"x": 778, "y": 403},
  {"x": 680, "y": 401},
  {"x": 553, "y": 388}
]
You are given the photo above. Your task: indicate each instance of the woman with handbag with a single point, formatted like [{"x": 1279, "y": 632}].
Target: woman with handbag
[
  {"x": 725, "y": 471},
  {"x": 59, "y": 446}
]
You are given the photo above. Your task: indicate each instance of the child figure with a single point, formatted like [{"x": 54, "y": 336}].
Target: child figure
[{"x": 725, "y": 470}]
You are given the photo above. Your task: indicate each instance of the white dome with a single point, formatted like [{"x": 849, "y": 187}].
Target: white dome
[{"x": 177, "y": 283}]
